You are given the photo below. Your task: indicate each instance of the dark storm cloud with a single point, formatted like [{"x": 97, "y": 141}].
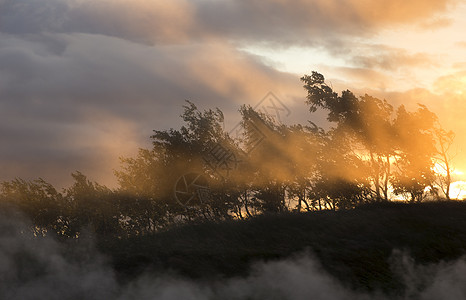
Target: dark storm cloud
[
  {"x": 83, "y": 82},
  {"x": 310, "y": 21},
  {"x": 178, "y": 21},
  {"x": 136, "y": 20},
  {"x": 79, "y": 101},
  {"x": 99, "y": 72}
]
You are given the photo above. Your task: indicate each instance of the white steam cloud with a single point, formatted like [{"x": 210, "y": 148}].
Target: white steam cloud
[{"x": 41, "y": 268}]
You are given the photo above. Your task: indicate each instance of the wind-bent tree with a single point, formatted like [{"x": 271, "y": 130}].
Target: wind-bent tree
[
  {"x": 371, "y": 152},
  {"x": 399, "y": 149},
  {"x": 364, "y": 124},
  {"x": 416, "y": 151},
  {"x": 374, "y": 130},
  {"x": 304, "y": 147},
  {"x": 268, "y": 164},
  {"x": 39, "y": 201},
  {"x": 342, "y": 180},
  {"x": 154, "y": 173},
  {"x": 90, "y": 205}
]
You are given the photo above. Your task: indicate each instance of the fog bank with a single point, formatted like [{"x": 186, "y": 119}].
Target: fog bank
[{"x": 42, "y": 268}]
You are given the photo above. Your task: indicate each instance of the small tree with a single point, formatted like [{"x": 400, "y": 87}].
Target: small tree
[
  {"x": 444, "y": 140},
  {"x": 154, "y": 173},
  {"x": 364, "y": 124},
  {"x": 90, "y": 205},
  {"x": 39, "y": 201},
  {"x": 416, "y": 150}
]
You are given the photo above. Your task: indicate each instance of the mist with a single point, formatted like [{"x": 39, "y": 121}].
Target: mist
[{"x": 43, "y": 268}]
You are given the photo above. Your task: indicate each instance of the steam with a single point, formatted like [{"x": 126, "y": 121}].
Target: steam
[
  {"x": 41, "y": 268},
  {"x": 445, "y": 280}
]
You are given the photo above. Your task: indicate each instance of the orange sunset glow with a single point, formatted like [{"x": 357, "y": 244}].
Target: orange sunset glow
[
  {"x": 233, "y": 149},
  {"x": 112, "y": 71}
]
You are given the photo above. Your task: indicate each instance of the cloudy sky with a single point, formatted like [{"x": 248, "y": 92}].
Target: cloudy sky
[{"x": 83, "y": 82}]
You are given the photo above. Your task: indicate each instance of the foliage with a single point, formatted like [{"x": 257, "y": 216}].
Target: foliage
[
  {"x": 38, "y": 201},
  {"x": 371, "y": 152}
]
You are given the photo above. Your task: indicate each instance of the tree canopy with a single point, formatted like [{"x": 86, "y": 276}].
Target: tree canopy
[{"x": 372, "y": 152}]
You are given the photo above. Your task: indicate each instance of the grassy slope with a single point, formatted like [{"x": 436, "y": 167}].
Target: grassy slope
[{"x": 354, "y": 246}]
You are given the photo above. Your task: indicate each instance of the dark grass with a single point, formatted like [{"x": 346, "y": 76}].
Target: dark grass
[{"x": 354, "y": 246}]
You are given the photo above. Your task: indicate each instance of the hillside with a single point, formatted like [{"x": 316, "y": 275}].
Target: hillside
[{"x": 355, "y": 246}]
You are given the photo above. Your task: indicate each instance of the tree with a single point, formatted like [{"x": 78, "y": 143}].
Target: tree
[
  {"x": 444, "y": 141},
  {"x": 90, "y": 205},
  {"x": 268, "y": 165},
  {"x": 341, "y": 109},
  {"x": 368, "y": 151},
  {"x": 416, "y": 150},
  {"x": 375, "y": 132},
  {"x": 342, "y": 180},
  {"x": 364, "y": 123},
  {"x": 154, "y": 173},
  {"x": 383, "y": 140},
  {"x": 304, "y": 147},
  {"x": 39, "y": 201}
]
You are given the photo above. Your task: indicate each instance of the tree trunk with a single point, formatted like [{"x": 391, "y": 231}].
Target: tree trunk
[
  {"x": 387, "y": 176},
  {"x": 376, "y": 176}
]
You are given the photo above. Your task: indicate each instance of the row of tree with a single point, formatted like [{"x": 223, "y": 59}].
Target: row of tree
[{"x": 371, "y": 153}]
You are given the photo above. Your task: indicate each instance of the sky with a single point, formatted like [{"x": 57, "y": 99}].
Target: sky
[{"x": 84, "y": 82}]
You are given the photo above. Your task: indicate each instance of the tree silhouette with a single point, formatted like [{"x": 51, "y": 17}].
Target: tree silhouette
[
  {"x": 90, "y": 205},
  {"x": 154, "y": 173},
  {"x": 399, "y": 149},
  {"x": 37, "y": 200},
  {"x": 444, "y": 140},
  {"x": 416, "y": 151},
  {"x": 371, "y": 151}
]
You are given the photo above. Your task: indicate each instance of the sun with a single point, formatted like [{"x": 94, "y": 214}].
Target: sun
[
  {"x": 458, "y": 190},
  {"x": 458, "y": 184}
]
